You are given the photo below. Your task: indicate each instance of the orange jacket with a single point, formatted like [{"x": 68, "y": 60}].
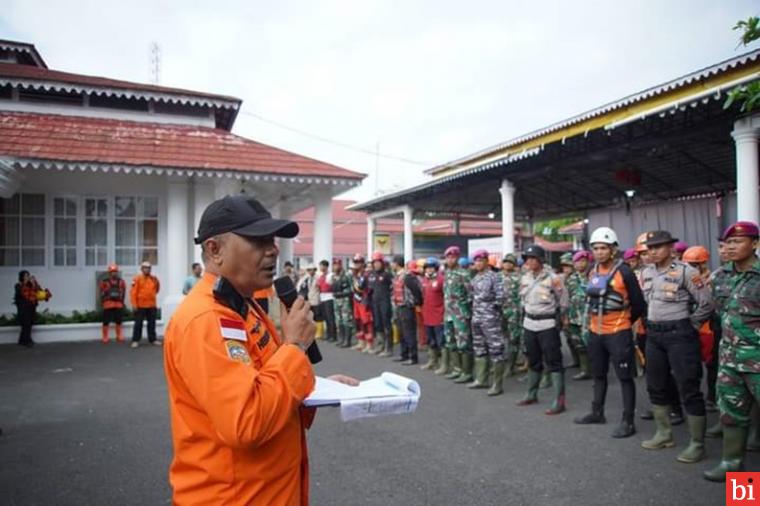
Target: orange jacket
[
  {"x": 144, "y": 291},
  {"x": 264, "y": 293},
  {"x": 235, "y": 397}
]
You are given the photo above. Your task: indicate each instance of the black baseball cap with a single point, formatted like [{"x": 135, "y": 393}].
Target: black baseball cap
[
  {"x": 659, "y": 237},
  {"x": 242, "y": 215}
]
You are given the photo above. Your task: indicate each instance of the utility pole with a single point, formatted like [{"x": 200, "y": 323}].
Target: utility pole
[{"x": 377, "y": 168}]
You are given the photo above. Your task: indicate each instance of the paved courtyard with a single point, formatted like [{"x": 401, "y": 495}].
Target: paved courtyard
[{"x": 88, "y": 424}]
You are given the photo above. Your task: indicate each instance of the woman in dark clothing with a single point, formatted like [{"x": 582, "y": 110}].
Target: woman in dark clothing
[{"x": 25, "y": 299}]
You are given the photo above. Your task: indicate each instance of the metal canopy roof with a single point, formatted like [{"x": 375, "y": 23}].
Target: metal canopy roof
[{"x": 682, "y": 150}]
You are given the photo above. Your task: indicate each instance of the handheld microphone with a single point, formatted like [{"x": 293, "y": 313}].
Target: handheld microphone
[{"x": 286, "y": 291}]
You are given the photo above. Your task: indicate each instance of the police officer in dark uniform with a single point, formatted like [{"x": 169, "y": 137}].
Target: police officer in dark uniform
[
  {"x": 380, "y": 281},
  {"x": 679, "y": 301}
]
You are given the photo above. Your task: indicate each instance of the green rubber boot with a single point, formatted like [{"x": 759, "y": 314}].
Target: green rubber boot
[
  {"x": 467, "y": 363},
  {"x": 531, "y": 396},
  {"x": 696, "y": 449},
  {"x": 663, "y": 437},
  {"x": 546, "y": 381},
  {"x": 445, "y": 364},
  {"x": 481, "y": 373},
  {"x": 558, "y": 405},
  {"x": 585, "y": 372},
  {"x": 497, "y": 378},
  {"x": 734, "y": 441},
  {"x": 456, "y": 365},
  {"x": 753, "y": 436},
  {"x": 434, "y": 357},
  {"x": 509, "y": 365},
  {"x": 715, "y": 432}
]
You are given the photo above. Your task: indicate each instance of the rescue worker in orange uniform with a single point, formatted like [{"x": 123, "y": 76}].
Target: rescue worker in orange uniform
[
  {"x": 112, "y": 293},
  {"x": 145, "y": 288},
  {"x": 235, "y": 386}
]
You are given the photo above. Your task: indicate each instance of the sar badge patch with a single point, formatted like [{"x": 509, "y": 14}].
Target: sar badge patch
[{"x": 237, "y": 352}]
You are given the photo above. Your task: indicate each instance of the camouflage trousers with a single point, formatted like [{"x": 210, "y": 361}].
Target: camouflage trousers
[
  {"x": 488, "y": 338},
  {"x": 512, "y": 330},
  {"x": 737, "y": 391},
  {"x": 575, "y": 338},
  {"x": 456, "y": 334},
  {"x": 344, "y": 314}
]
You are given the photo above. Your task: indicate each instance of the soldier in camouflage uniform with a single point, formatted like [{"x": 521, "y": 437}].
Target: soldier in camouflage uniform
[
  {"x": 574, "y": 319},
  {"x": 342, "y": 286},
  {"x": 738, "y": 297},
  {"x": 487, "y": 338},
  {"x": 456, "y": 357},
  {"x": 511, "y": 326}
]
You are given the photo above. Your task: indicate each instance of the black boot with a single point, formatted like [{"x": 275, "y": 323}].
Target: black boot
[
  {"x": 347, "y": 333},
  {"x": 626, "y": 427},
  {"x": 596, "y": 415}
]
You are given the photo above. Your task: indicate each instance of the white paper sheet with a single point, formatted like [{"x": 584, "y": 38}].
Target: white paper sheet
[{"x": 386, "y": 394}]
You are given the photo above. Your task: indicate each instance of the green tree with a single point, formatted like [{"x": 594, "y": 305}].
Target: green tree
[{"x": 749, "y": 95}]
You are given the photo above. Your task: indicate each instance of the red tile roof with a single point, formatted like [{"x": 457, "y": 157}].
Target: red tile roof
[
  {"x": 350, "y": 229},
  {"x": 106, "y": 141},
  {"x": 28, "y": 72}
]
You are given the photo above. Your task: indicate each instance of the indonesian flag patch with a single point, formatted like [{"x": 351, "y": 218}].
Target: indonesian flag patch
[{"x": 233, "y": 329}]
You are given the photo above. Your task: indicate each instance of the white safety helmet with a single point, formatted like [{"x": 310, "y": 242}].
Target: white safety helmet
[{"x": 604, "y": 235}]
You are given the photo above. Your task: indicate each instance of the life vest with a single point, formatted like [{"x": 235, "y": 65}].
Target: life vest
[
  {"x": 114, "y": 290},
  {"x": 602, "y": 298}
]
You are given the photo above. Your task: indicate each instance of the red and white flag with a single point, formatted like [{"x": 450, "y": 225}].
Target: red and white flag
[{"x": 233, "y": 329}]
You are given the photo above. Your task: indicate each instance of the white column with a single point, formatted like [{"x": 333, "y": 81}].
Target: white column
[
  {"x": 203, "y": 196},
  {"x": 745, "y": 134},
  {"x": 323, "y": 227},
  {"x": 176, "y": 245},
  {"x": 408, "y": 234},
  {"x": 370, "y": 236},
  {"x": 282, "y": 211},
  {"x": 507, "y": 191}
]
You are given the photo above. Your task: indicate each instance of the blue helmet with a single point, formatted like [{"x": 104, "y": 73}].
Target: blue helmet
[
  {"x": 464, "y": 262},
  {"x": 432, "y": 262}
]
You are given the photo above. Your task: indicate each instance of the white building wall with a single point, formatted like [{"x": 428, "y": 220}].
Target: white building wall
[{"x": 73, "y": 288}]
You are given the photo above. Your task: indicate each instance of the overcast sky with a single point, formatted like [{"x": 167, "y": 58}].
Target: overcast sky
[{"x": 429, "y": 81}]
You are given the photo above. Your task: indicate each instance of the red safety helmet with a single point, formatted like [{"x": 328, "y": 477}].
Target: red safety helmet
[
  {"x": 113, "y": 268},
  {"x": 411, "y": 266},
  {"x": 377, "y": 256}
]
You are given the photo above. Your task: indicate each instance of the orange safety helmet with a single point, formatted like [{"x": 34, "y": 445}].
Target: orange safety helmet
[
  {"x": 493, "y": 260},
  {"x": 421, "y": 263},
  {"x": 641, "y": 243},
  {"x": 696, "y": 255}
]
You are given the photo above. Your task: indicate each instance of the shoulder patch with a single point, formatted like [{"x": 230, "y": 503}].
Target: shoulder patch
[
  {"x": 237, "y": 352},
  {"x": 698, "y": 282}
]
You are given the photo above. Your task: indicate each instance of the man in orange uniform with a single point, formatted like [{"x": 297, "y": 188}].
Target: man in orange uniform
[
  {"x": 112, "y": 293},
  {"x": 615, "y": 302},
  {"x": 145, "y": 287},
  {"x": 235, "y": 386}
]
